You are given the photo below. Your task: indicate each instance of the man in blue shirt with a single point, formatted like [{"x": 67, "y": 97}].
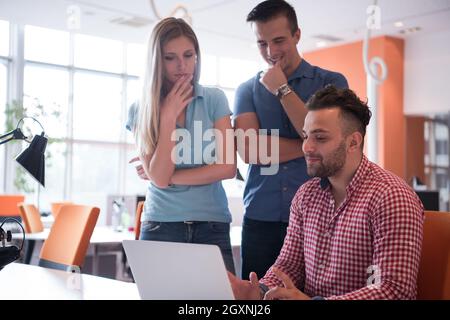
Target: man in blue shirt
[{"x": 275, "y": 99}]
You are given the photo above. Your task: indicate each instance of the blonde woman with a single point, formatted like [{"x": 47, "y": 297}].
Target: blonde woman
[{"x": 185, "y": 200}]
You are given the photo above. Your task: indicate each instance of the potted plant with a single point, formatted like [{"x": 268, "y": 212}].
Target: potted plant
[{"x": 15, "y": 111}]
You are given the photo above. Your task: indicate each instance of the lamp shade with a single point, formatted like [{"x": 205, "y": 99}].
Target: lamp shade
[{"x": 32, "y": 159}]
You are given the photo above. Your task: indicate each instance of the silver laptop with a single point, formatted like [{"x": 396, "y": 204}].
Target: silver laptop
[{"x": 178, "y": 271}]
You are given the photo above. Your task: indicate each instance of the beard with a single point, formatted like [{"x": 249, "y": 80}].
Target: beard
[{"x": 331, "y": 165}]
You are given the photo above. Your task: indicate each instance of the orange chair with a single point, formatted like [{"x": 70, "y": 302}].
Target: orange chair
[
  {"x": 137, "y": 222},
  {"x": 433, "y": 281},
  {"x": 56, "y": 206},
  {"x": 69, "y": 237},
  {"x": 31, "y": 218},
  {"x": 32, "y": 222},
  {"x": 8, "y": 205}
]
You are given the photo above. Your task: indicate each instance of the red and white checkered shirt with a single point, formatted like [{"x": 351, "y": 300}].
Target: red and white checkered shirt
[{"x": 369, "y": 248}]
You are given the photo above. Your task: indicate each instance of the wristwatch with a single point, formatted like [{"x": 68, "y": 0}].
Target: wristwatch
[
  {"x": 263, "y": 290},
  {"x": 283, "y": 91}
]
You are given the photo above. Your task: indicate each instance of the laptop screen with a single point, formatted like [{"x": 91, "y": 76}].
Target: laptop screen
[{"x": 178, "y": 271}]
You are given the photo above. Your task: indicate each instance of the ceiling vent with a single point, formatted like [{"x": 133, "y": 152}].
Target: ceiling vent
[
  {"x": 135, "y": 22},
  {"x": 410, "y": 30},
  {"x": 327, "y": 38}
]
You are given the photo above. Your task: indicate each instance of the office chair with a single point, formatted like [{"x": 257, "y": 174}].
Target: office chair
[
  {"x": 32, "y": 223},
  {"x": 56, "y": 206},
  {"x": 8, "y": 205},
  {"x": 67, "y": 243},
  {"x": 137, "y": 222},
  {"x": 31, "y": 218},
  {"x": 433, "y": 281}
]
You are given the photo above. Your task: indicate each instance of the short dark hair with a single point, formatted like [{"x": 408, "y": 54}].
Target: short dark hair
[
  {"x": 270, "y": 9},
  {"x": 353, "y": 109}
]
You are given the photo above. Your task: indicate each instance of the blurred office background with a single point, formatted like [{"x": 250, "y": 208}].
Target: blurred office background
[{"x": 76, "y": 66}]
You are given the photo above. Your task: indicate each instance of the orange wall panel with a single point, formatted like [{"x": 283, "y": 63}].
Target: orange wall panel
[
  {"x": 393, "y": 126},
  {"x": 347, "y": 59}
]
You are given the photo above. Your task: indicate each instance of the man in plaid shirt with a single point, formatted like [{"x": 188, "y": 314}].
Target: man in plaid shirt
[{"x": 355, "y": 230}]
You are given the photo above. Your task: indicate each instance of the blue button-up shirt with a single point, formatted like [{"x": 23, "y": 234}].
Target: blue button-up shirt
[{"x": 268, "y": 197}]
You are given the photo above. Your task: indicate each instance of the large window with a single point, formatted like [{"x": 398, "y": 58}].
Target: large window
[
  {"x": 3, "y": 90},
  {"x": 52, "y": 95},
  {"x": 98, "y": 53},
  {"x": 55, "y": 175},
  {"x": 233, "y": 72},
  {"x": 134, "y": 92},
  {"x": 136, "y": 55},
  {"x": 4, "y": 38},
  {"x": 82, "y": 98},
  {"x": 4, "y": 53},
  {"x": 226, "y": 73},
  {"x": 95, "y": 173},
  {"x": 46, "y": 45},
  {"x": 48, "y": 102},
  {"x": 133, "y": 184},
  {"x": 437, "y": 157},
  {"x": 97, "y": 107},
  {"x": 208, "y": 75},
  {"x": 82, "y": 104}
]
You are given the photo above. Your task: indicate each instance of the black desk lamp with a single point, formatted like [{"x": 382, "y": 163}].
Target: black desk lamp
[{"x": 32, "y": 159}]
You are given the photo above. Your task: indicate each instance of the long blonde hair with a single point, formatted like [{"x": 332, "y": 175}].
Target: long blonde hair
[{"x": 147, "y": 126}]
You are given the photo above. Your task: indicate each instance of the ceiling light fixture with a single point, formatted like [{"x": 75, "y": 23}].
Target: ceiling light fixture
[
  {"x": 410, "y": 30},
  {"x": 321, "y": 44}
]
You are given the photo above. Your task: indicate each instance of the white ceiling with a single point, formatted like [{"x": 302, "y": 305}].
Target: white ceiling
[{"x": 221, "y": 26}]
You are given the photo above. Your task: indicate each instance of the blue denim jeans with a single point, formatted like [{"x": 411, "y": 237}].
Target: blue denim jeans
[
  {"x": 203, "y": 232},
  {"x": 261, "y": 244}
]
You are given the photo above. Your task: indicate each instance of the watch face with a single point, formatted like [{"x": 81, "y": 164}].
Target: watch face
[{"x": 283, "y": 91}]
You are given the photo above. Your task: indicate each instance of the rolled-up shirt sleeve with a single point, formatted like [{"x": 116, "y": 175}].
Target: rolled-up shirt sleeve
[{"x": 243, "y": 100}]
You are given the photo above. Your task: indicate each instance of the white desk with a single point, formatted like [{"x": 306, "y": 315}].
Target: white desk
[
  {"x": 100, "y": 235},
  {"x": 22, "y": 281},
  {"x": 106, "y": 235}
]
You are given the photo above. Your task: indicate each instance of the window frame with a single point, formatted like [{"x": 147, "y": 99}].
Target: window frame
[{"x": 17, "y": 35}]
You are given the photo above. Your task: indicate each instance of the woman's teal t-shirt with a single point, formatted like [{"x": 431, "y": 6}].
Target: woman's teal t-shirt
[{"x": 195, "y": 148}]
